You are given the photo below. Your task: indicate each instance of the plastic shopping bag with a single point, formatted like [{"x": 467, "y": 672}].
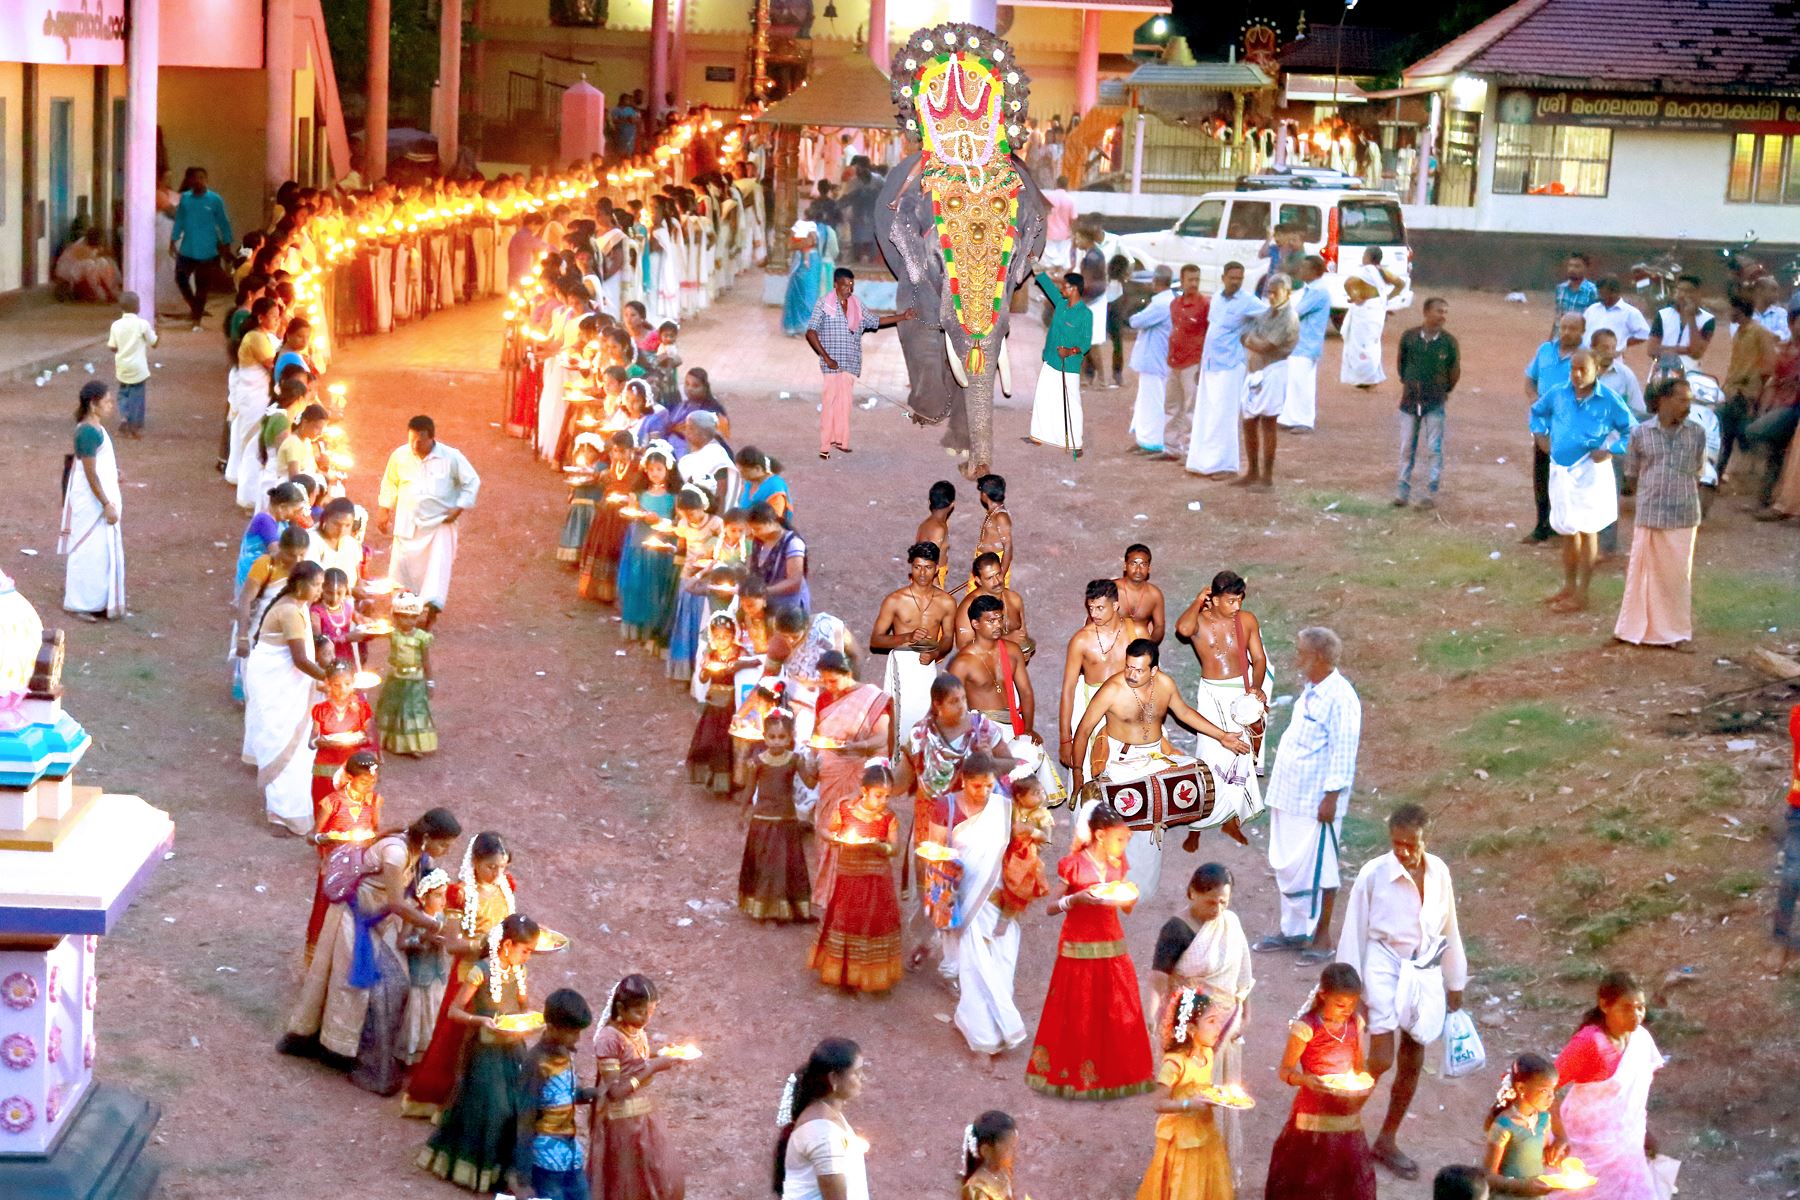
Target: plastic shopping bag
[{"x": 1463, "y": 1052}]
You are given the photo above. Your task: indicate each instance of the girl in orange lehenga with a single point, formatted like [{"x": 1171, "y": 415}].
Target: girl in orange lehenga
[
  {"x": 480, "y": 899},
  {"x": 349, "y": 812},
  {"x": 851, "y": 724},
  {"x": 628, "y": 1159},
  {"x": 1191, "y": 1161},
  {"x": 859, "y": 929}
]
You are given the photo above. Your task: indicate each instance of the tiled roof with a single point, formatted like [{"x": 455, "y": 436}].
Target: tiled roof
[
  {"x": 1213, "y": 75},
  {"x": 1661, "y": 45},
  {"x": 1367, "y": 50}
]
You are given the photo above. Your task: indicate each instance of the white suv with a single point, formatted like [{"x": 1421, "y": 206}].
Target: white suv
[{"x": 1235, "y": 226}]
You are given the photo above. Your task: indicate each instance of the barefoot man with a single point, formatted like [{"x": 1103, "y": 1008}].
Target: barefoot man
[
  {"x": 1227, "y": 640},
  {"x": 1141, "y": 599},
  {"x": 1096, "y": 653},
  {"x": 989, "y": 583},
  {"x": 996, "y": 524},
  {"x": 995, "y": 680},
  {"x": 1582, "y": 426},
  {"x": 1131, "y": 707},
  {"x": 940, "y": 502},
  {"x": 916, "y": 625}
]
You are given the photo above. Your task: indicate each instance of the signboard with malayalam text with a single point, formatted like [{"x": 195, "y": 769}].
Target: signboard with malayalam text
[
  {"x": 83, "y": 33},
  {"x": 1677, "y": 114}
]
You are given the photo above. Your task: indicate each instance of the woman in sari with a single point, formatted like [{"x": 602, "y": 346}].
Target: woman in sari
[
  {"x": 1368, "y": 290},
  {"x": 663, "y": 269},
  {"x": 279, "y": 675},
  {"x": 851, "y": 726},
  {"x": 1091, "y": 1040},
  {"x": 337, "y": 542},
  {"x": 352, "y": 1002},
  {"x": 476, "y": 1144},
  {"x": 479, "y": 900},
  {"x": 1604, "y": 1076},
  {"x": 262, "y": 583},
  {"x": 981, "y": 940},
  {"x": 763, "y": 484},
  {"x": 803, "y": 277},
  {"x": 251, "y": 388},
  {"x": 286, "y": 501},
  {"x": 1205, "y": 951},
  {"x": 94, "y": 585}
]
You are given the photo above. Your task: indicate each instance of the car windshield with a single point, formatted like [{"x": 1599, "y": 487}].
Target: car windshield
[
  {"x": 1370, "y": 223},
  {"x": 1203, "y": 222},
  {"x": 1249, "y": 220}
]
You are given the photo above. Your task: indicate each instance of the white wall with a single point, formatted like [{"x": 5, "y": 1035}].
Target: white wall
[
  {"x": 1663, "y": 186},
  {"x": 12, "y": 183}
]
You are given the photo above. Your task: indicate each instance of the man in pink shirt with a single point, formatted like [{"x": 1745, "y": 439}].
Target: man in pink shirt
[{"x": 1059, "y": 227}]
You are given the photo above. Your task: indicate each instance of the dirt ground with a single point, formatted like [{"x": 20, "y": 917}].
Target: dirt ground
[{"x": 1591, "y": 819}]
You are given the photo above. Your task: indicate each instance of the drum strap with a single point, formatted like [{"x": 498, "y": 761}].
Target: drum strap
[
  {"x": 1012, "y": 695},
  {"x": 1256, "y": 730}
]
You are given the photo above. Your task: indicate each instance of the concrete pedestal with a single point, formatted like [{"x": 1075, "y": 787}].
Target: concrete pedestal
[{"x": 100, "y": 1155}]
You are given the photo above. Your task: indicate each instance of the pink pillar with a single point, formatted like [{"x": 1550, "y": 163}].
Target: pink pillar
[
  {"x": 678, "y": 55},
  {"x": 375, "y": 124},
  {"x": 878, "y": 34},
  {"x": 278, "y": 67},
  {"x": 450, "y": 24},
  {"x": 659, "y": 57},
  {"x": 1087, "y": 67},
  {"x": 141, "y": 53},
  {"x": 583, "y": 126}
]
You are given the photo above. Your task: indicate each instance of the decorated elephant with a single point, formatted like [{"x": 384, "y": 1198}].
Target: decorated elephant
[{"x": 960, "y": 224}]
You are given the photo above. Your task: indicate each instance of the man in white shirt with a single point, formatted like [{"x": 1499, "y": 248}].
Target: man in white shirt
[
  {"x": 425, "y": 489},
  {"x": 1613, "y": 374},
  {"x": 1769, "y": 313},
  {"x": 1682, "y": 327},
  {"x": 1400, "y": 934},
  {"x": 1308, "y": 793},
  {"x": 1611, "y": 312}
]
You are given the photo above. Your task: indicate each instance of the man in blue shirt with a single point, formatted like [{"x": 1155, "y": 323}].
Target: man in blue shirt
[
  {"x": 1312, "y": 304},
  {"x": 1549, "y": 369},
  {"x": 1150, "y": 361},
  {"x": 1582, "y": 427},
  {"x": 202, "y": 233},
  {"x": 1576, "y": 292},
  {"x": 1223, "y": 365}
]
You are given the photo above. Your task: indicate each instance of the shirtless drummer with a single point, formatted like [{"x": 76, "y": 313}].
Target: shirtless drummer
[
  {"x": 1141, "y": 599},
  {"x": 1227, "y": 640},
  {"x": 1130, "y": 708},
  {"x": 1096, "y": 653}
]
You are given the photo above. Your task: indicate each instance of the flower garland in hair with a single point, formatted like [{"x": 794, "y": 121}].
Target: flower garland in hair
[
  {"x": 499, "y": 973},
  {"x": 971, "y": 1148},
  {"x": 472, "y": 892},
  {"x": 1184, "y": 1013},
  {"x": 784, "y": 1113},
  {"x": 1508, "y": 1090},
  {"x": 612, "y": 998}
]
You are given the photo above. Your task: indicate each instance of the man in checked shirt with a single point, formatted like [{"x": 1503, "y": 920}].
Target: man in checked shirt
[
  {"x": 1307, "y": 794},
  {"x": 835, "y": 335}
]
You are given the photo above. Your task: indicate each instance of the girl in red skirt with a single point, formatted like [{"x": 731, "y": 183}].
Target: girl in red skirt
[
  {"x": 773, "y": 882},
  {"x": 342, "y": 724},
  {"x": 724, "y": 655},
  {"x": 1322, "y": 1153},
  {"x": 351, "y": 812},
  {"x": 628, "y": 1158},
  {"x": 1091, "y": 1041},
  {"x": 859, "y": 933}
]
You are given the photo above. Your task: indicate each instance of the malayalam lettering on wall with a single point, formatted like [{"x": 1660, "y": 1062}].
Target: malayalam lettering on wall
[
  {"x": 1616, "y": 110},
  {"x": 86, "y": 33}
]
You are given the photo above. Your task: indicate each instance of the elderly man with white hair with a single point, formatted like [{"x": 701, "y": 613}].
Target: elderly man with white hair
[{"x": 1308, "y": 793}]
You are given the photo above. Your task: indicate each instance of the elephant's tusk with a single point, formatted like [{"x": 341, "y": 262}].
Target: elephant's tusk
[
  {"x": 956, "y": 366},
  {"x": 1005, "y": 370}
]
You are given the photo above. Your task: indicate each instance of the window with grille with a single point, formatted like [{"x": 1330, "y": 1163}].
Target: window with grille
[
  {"x": 1765, "y": 169},
  {"x": 1551, "y": 160}
]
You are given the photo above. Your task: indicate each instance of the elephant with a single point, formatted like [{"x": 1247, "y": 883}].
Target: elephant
[{"x": 960, "y": 224}]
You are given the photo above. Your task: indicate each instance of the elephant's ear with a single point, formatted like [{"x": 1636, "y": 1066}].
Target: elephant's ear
[
  {"x": 896, "y": 219},
  {"x": 1029, "y": 237}
]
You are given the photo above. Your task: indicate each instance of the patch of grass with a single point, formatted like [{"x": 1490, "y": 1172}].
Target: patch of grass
[
  {"x": 1622, "y": 824},
  {"x": 1465, "y": 651},
  {"x": 1743, "y": 602},
  {"x": 1576, "y": 969},
  {"x": 1518, "y": 740},
  {"x": 1583, "y": 882},
  {"x": 1363, "y": 838},
  {"x": 1717, "y": 785},
  {"x": 1422, "y": 557},
  {"x": 1505, "y": 841},
  {"x": 1347, "y": 504},
  {"x": 1600, "y": 929},
  {"x": 1738, "y": 885}
]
